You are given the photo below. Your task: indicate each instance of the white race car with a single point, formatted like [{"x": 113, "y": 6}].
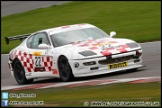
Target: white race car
[{"x": 71, "y": 51}]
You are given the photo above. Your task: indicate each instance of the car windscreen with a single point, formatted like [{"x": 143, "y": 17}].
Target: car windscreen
[{"x": 68, "y": 37}]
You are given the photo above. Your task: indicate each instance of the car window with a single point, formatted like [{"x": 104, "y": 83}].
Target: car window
[
  {"x": 37, "y": 39},
  {"x": 64, "y": 38},
  {"x": 29, "y": 42}
]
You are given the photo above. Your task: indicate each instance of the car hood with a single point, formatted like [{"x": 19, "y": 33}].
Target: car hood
[{"x": 101, "y": 47}]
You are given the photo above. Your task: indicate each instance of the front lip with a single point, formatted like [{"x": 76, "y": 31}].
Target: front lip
[{"x": 105, "y": 56}]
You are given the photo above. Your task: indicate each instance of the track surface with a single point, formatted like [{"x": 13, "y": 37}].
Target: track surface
[
  {"x": 151, "y": 58},
  {"x": 12, "y": 7}
]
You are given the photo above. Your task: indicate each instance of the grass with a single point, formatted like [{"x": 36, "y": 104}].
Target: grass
[
  {"x": 137, "y": 20},
  {"x": 146, "y": 92}
]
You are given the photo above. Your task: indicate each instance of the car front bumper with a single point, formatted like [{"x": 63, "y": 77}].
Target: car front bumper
[{"x": 98, "y": 68}]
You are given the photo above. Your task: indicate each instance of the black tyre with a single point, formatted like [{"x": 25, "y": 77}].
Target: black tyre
[
  {"x": 19, "y": 73},
  {"x": 65, "y": 69}
]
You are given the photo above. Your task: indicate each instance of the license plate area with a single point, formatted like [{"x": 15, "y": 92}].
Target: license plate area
[{"x": 117, "y": 65}]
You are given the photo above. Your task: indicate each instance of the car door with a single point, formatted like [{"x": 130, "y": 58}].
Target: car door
[{"x": 42, "y": 58}]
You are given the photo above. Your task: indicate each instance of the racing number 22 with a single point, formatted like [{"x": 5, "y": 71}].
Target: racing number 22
[{"x": 37, "y": 61}]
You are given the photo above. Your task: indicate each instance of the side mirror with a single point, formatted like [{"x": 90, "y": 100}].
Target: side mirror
[
  {"x": 112, "y": 33},
  {"x": 44, "y": 46}
]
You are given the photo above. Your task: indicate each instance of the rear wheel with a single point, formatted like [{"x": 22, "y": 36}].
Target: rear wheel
[
  {"x": 19, "y": 73},
  {"x": 65, "y": 69}
]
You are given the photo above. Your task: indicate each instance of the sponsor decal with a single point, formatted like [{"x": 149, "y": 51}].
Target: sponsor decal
[
  {"x": 105, "y": 44},
  {"x": 37, "y": 53},
  {"x": 54, "y": 71},
  {"x": 40, "y": 69},
  {"x": 118, "y": 65}
]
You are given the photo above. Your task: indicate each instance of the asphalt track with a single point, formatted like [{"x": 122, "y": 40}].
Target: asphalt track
[
  {"x": 151, "y": 58},
  {"x": 13, "y": 7}
]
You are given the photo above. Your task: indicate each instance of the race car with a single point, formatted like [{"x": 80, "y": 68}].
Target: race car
[{"x": 71, "y": 51}]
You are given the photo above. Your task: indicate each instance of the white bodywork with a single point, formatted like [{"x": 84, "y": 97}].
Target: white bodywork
[{"x": 71, "y": 52}]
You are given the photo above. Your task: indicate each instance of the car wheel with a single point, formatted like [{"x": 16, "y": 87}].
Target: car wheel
[
  {"x": 65, "y": 69},
  {"x": 19, "y": 73}
]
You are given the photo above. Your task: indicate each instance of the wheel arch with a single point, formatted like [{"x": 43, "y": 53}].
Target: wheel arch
[
  {"x": 62, "y": 56},
  {"x": 59, "y": 58},
  {"x": 23, "y": 79},
  {"x": 68, "y": 63},
  {"x": 16, "y": 60}
]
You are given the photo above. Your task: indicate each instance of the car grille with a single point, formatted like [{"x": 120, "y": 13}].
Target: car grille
[{"x": 115, "y": 60}]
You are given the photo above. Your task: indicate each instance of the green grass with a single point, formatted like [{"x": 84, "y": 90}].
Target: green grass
[
  {"x": 137, "y": 20},
  {"x": 147, "y": 92}
]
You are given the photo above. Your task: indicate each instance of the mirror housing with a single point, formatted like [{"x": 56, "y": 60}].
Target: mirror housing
[
  {"x": 112, "y": 33},
  {"x": 44, "y": 46}
]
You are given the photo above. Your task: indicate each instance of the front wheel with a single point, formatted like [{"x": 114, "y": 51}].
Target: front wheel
[
  {"x": 19, "y": 73},
  {"x": 65, "y": 69}
]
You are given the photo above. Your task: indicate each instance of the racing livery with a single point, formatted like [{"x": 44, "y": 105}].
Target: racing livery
[{"x": 71, "y": 51}]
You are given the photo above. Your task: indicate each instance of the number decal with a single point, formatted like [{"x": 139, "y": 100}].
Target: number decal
[{"x": 38, "y": 61}]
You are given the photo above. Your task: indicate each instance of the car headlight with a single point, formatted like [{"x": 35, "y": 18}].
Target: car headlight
[
  {"x": 133, "y": 45},
  {"x": 87, "y": 53},
  {"x": 138, "y": 54}
]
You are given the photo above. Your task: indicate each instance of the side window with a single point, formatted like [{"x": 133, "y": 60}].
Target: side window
[
  {"x": 29, "y": 41},
  {"x": 37, "y": 39}
]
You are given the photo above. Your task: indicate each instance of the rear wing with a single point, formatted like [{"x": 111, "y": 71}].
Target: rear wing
[{"x": 18, "y": 37}]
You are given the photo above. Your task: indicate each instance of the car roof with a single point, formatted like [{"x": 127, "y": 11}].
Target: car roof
[{"x": 67, "y": 28}]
